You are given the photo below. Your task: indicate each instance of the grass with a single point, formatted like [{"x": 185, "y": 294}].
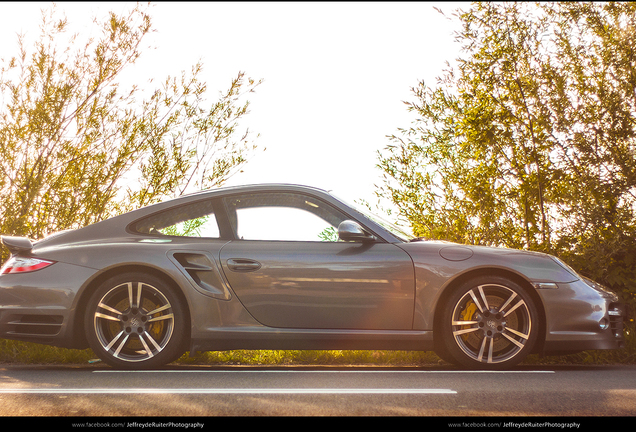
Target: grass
[
  {"x": 332, "y": 357},
  {"x": 15, "y": 352}
]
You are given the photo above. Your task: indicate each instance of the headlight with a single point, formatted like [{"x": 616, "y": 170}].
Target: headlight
[
  {"x": 566, "y": 267},
  {"x": 605, "y": 292},
  {"x": 589, "y": 282}
]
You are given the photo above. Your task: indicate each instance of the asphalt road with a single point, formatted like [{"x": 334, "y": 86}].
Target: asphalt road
[{"x": 206, "y": 391}]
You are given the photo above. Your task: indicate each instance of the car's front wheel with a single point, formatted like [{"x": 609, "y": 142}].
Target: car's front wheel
[
  {"x": 489, "y": 323},
  {"x": 135, "y": 321}
]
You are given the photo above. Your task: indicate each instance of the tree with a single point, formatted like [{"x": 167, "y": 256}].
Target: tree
[
  {"x": 76, "y": 148},
  {"x": 530, "y": 142}
]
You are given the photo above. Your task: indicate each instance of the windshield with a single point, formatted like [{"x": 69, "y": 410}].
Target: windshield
[{"x": 399, "y": 232}]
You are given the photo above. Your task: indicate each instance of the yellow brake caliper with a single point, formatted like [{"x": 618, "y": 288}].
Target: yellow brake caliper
[{"x": 467, "y": 315}]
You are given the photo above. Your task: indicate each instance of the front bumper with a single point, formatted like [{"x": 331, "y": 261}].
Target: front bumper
[{"x": 580, "y": 317}]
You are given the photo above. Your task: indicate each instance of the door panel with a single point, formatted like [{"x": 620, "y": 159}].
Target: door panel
[{"x": 324, "y": 285}]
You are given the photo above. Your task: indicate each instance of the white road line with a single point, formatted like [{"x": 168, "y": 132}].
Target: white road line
[
  {"x": 323, "y": 371},
  {"x": 222, "y": 391}
]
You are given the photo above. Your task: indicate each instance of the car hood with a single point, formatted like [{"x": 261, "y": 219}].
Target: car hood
[{"x": 534, "y": 266}]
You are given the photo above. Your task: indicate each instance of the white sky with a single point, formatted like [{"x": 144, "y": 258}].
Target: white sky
[{"x": 335, "y": 74}]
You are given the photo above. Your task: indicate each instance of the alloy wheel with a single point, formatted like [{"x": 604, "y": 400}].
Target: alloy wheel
[
  {"x": 133, "y": 322},
  {"x": 492, "y": 324}
]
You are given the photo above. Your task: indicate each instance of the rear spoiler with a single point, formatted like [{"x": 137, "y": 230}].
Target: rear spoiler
[{"x": 17, "y": 245}]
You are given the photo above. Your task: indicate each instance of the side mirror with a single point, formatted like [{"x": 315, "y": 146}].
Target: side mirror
[{"x": 352, "y": 231}]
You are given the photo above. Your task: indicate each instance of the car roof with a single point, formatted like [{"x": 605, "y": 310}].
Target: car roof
[{"x": 116, "y": 226}]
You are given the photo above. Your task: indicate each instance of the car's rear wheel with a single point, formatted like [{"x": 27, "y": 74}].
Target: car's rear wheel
[
  {"x": 136, "y": 321},
  {"x": 489, "y": 323}
]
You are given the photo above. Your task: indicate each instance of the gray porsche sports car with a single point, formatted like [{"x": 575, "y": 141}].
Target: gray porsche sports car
[{"x": 291, "y": 267}]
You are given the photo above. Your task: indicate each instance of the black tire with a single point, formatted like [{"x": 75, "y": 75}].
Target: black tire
[
  {"x": 488, "y": 323},
  {"x": 136, "y": 321}
]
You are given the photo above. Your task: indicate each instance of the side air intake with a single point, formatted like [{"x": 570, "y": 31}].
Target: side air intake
[{"x": 203, "y": 273}]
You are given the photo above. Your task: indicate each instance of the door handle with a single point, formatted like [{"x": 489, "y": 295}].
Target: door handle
[{"x": 243, "y": 264}]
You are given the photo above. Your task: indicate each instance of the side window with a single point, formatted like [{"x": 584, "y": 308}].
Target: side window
[
  {"x": 191, "y": 220},
  {"x": 284, "y": 217}
]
